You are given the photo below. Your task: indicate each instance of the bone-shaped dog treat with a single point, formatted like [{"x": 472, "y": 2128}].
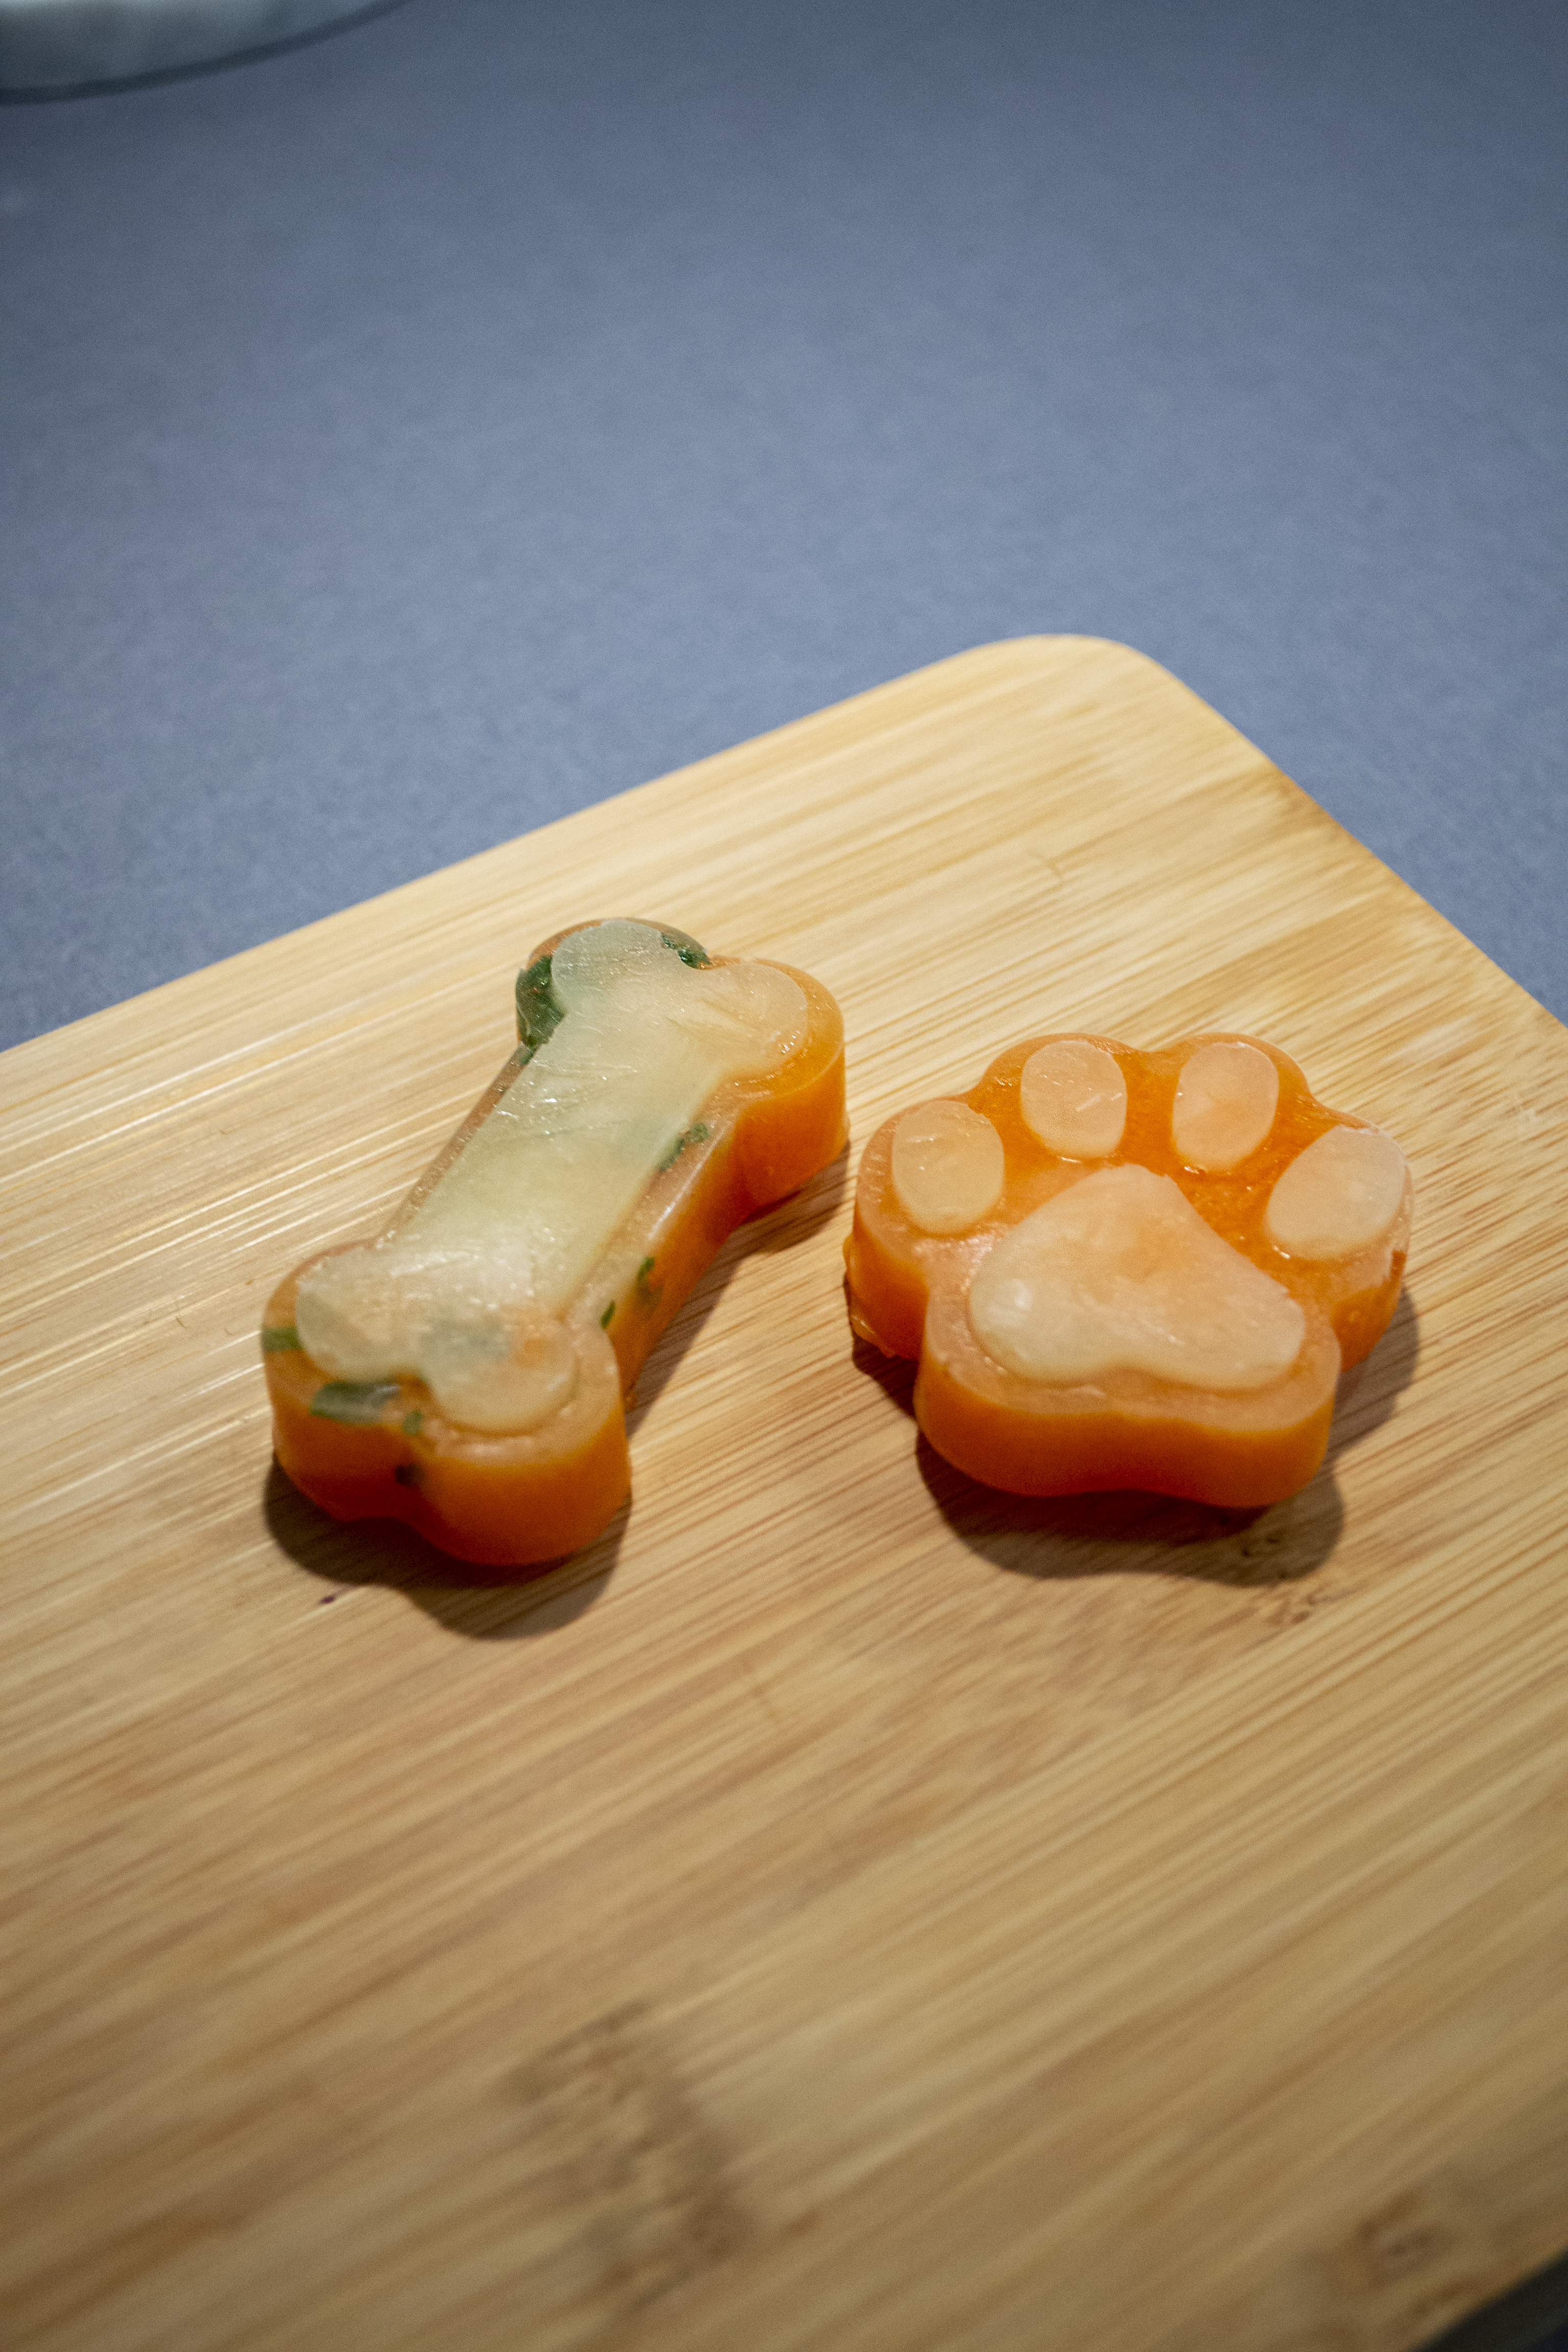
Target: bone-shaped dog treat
[
  {"x": 1121, "y": 1269},
  {"x": 465, "y": 1370}
]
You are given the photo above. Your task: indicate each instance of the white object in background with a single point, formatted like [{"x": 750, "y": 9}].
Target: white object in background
[{"x": 61, "y": 45}]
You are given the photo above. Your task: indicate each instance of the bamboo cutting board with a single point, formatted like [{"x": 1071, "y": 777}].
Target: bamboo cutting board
[{"x": 844, "y": 1909}]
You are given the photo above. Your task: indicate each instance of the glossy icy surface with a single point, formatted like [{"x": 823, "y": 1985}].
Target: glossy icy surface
[
  {"x": 1120, "y": 1272},
  {"x": 1225, "y": 1099},
  {"x": 1340, "y": 1195},
  {"x": 1074, "y": 1097},
  {"x": 948, "y": 1166},
  {"x": 515, "y": 1226}
]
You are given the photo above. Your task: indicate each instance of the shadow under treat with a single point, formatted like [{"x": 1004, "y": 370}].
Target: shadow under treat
[
  {"x": 503, "y": 1603},
  {"x": 1088, "y": 1535},
  {"x": 769, "y": 1233},
  {"x": 488, "y": 1604}
]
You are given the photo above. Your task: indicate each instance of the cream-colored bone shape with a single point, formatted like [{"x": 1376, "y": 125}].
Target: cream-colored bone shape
[
  {"x": 1120, "y": 1272},
  {"x": 468, "y": 1293}
]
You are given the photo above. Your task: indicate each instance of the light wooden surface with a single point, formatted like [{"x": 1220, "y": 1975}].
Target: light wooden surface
[{"x": 844, "y": 1909}]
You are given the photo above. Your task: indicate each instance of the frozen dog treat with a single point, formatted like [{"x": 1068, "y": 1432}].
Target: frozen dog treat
[
  {"x": 1128, "y": 1269},
  {"x": 465, "y": 1369}
]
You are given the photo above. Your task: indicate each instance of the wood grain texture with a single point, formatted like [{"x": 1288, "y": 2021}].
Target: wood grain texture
[{"x": 845, "y": 1909}]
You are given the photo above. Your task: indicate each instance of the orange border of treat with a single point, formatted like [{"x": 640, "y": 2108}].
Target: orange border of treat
[
  {"x": 520, "y": 1500},
  {"x": 909, "y": 1290}
]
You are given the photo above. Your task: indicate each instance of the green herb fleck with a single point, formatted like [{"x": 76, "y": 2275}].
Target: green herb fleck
[
  {"x": 686, "y": 949},
  {"x": 357, "y": 1401},
  {"x": 605, "y": 1318},
  {"x": 540, "y": 1010},
  {"x": 413, "y": 1422},
  {"x": 280, "y": 1340},
  {"x": 648, "y": 1294},
  {"x": 698, "y": 1134}
]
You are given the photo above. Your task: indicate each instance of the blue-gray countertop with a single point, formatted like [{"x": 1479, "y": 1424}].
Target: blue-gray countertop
[{"x": 417, "y": 434}]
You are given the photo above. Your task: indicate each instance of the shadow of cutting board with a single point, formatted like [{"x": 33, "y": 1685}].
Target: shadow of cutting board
[{"x": 845, "y": 1909}]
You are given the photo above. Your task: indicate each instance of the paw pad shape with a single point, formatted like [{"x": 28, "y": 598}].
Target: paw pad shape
[{"x": 1121, "y": 1269}]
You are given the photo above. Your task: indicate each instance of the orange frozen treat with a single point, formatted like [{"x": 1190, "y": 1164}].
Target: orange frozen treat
[
  {"x": 466, "y": 1368},
  {"x": 1126, "y": 1269}
]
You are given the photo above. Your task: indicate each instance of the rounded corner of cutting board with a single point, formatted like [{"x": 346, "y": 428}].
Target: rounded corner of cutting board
[
  {"x": 1043, "y": 653},
  {"x": 1032, "y": 1881}
]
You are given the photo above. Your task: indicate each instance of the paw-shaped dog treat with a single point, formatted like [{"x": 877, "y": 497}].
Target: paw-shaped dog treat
[
  {"x": 1125, "y": 1269},
  {"x": 465, "y": 1369}
]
